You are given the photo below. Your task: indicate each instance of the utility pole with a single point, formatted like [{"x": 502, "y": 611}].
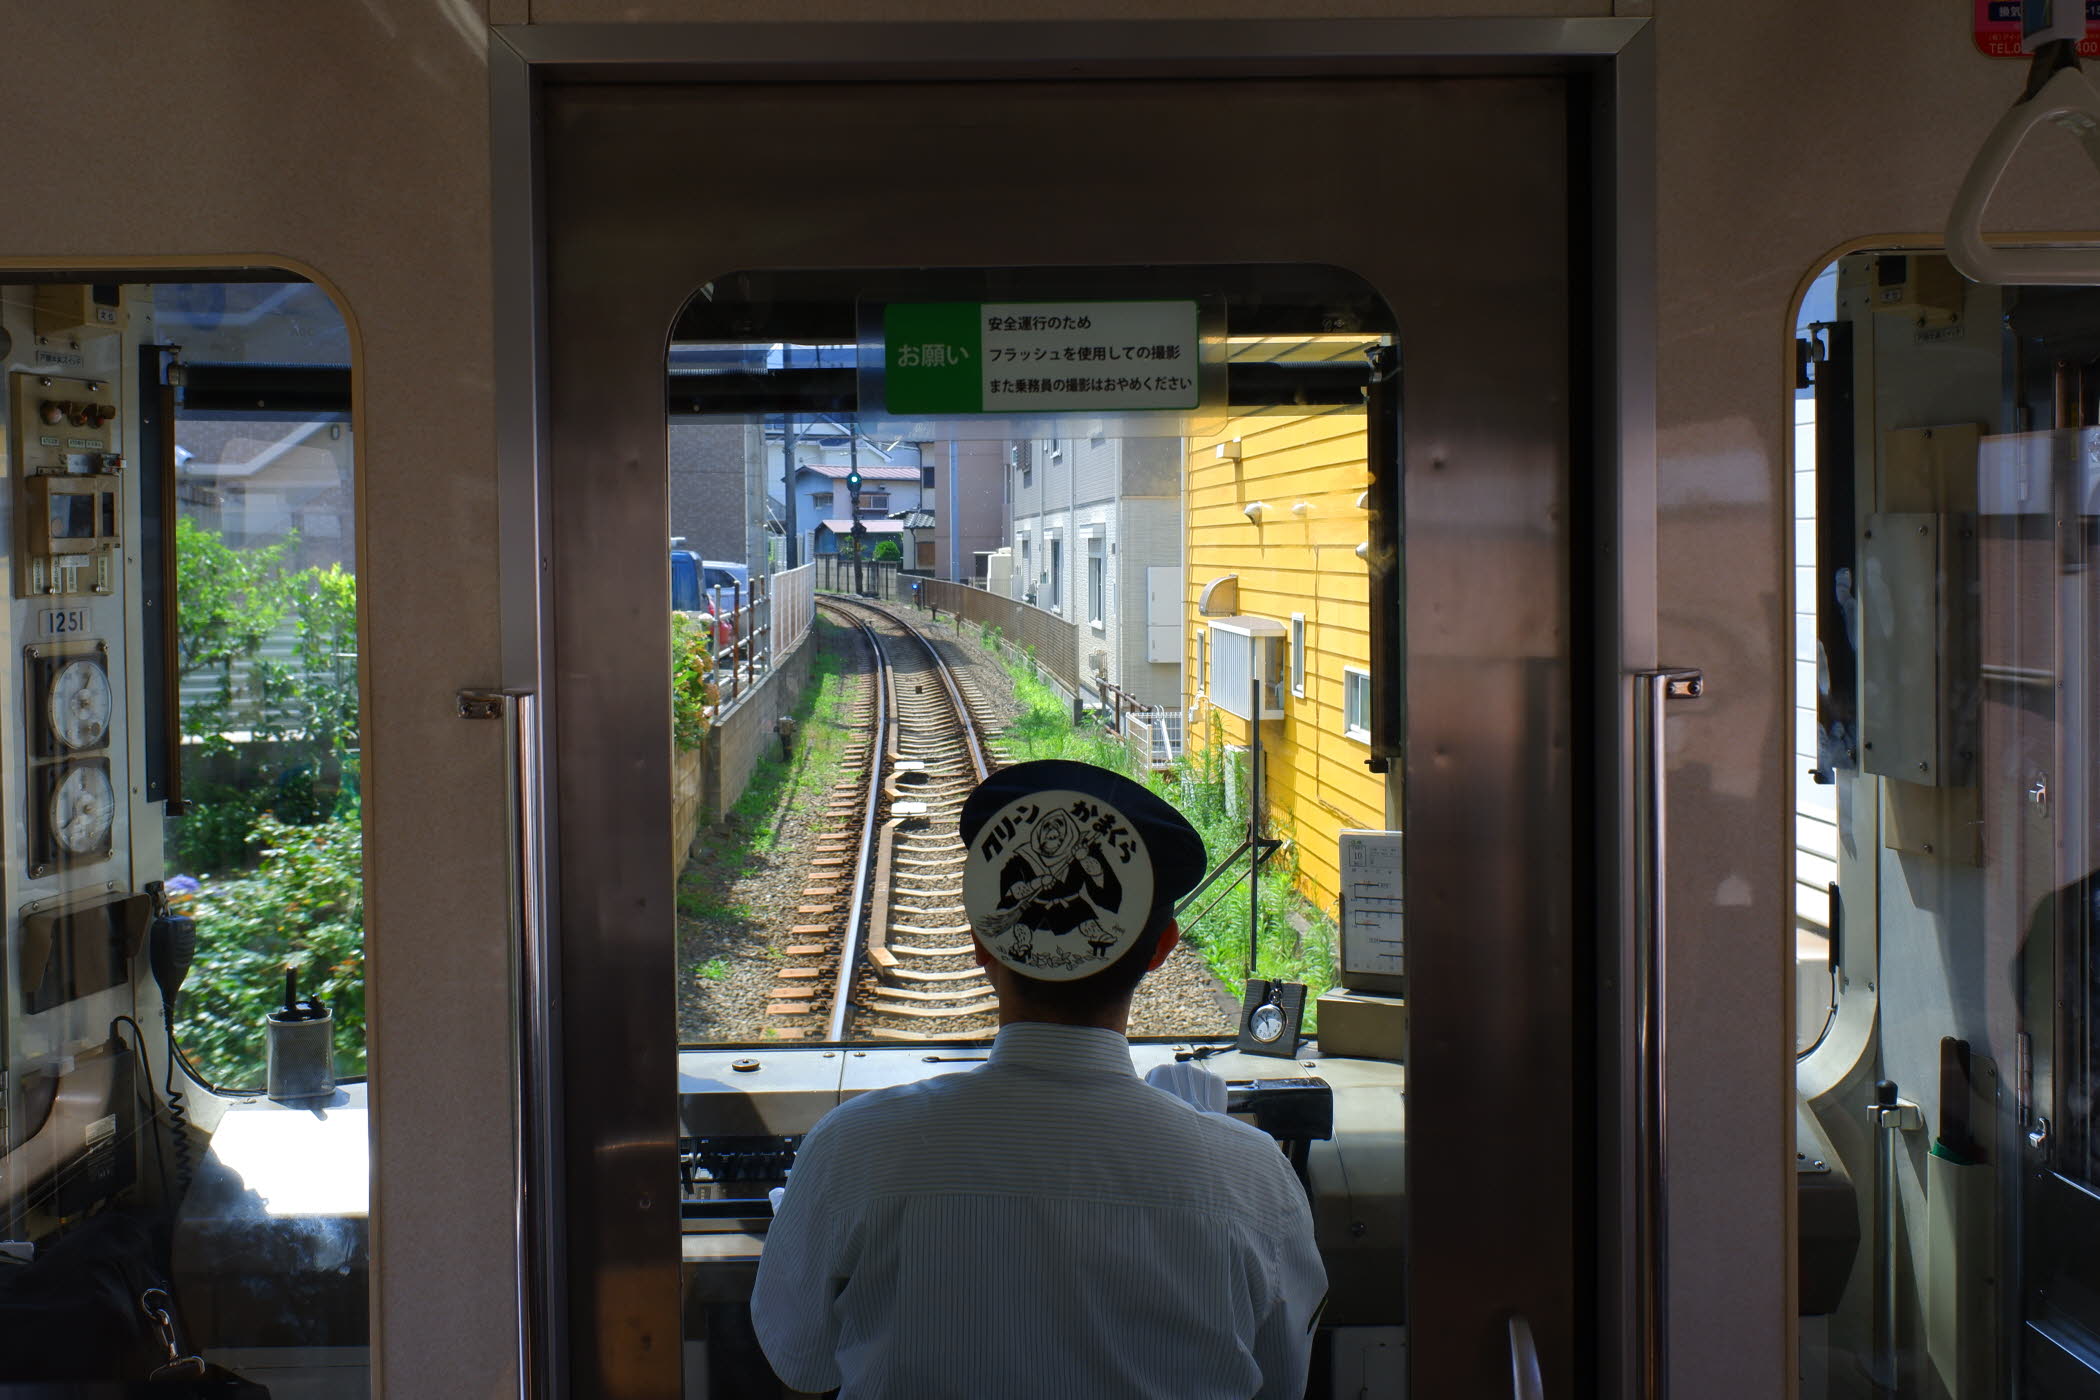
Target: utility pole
[{"x": 787, "y": 472}]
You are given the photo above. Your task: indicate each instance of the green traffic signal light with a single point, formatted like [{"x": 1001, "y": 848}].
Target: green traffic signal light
[{"x": 853, "y": 481}]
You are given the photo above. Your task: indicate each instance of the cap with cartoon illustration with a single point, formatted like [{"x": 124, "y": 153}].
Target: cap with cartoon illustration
[{"x": 1067, "y": 864}]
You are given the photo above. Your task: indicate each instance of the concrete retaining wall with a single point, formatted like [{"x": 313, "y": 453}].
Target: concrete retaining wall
[{"x": 707, "y": 781}]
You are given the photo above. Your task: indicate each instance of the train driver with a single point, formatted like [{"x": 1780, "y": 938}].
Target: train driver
[{"x": 1048, "y": 1224}]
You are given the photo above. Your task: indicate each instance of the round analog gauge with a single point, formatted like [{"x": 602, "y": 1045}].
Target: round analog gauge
[
  {"x": 81, "y": 810},
  {"x": 77, "y": 705},
  {"x": 1266, "y": 1022}
]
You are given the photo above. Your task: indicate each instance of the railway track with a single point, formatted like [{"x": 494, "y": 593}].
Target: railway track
[{"x": 898, "y": 956}]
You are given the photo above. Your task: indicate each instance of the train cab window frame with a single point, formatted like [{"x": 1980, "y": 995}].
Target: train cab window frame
[
  {"x": 1137, "y": 503},
  {"x": 201, "y": 655}
]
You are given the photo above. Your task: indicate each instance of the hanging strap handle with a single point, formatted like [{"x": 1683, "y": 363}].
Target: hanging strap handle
[{"x": 2058, "y": 92}]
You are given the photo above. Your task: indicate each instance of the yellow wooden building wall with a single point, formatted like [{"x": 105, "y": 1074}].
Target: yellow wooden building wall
[{"x": 1298, "y": 557}]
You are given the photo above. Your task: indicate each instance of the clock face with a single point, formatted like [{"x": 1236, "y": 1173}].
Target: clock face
[
  {"x": 82, "y": 809},
  {"x": 76, "y": 704},
  {"x": 1267, "y": 1022}
]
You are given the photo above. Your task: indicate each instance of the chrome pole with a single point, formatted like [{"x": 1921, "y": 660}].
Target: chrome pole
[
  {"x": 536, "y": 1082},
  {"x": 1654, "y": 691}
]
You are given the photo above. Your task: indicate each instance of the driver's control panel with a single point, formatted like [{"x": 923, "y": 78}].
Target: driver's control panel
[
  {"x": 724, "y": 1177},
  {"x": 727, "y": 1176}
]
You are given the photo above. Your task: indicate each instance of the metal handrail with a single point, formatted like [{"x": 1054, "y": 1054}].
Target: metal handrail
[
  {"x": 536, "y": 1120},
  {"x": 1654, "y": 690},
  {"x": 1525, "y": 1381}
]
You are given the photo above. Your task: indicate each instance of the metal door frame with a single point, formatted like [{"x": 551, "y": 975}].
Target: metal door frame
[{"x": 1613, "y": 581}]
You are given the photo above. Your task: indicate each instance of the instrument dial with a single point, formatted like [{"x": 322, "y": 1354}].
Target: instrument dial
[
  {"x": 1267, "y": 1022},
  {"x": 77, "y": 704},
  {"x": 82, "y": 809}
]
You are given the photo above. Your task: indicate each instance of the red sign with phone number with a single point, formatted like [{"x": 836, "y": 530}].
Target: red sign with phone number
[{"x": 1998, "y": 28}]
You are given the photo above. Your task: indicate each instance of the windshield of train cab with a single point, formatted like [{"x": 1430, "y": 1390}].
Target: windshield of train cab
[{"x": 924, "y": 526}]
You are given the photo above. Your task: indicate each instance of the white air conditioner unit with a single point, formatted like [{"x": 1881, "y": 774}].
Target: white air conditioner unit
[{"x": 1241, "y": 649}]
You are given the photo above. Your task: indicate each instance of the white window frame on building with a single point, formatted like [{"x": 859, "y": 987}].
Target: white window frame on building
[
  {"x": 1054, "y": 558},
  {"x": 1356, "y": 682},
  {"x": 1243, "y": 650},
  {"x": 1298, "y": 655},
  {"x": 1097, "y": 579},
  {"x": 1202, "y": 660}
]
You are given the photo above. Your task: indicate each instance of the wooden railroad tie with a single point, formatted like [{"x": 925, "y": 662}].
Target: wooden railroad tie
[
  {"x": 788, "y": 1008},
  {"x": 816, "y": 909},
  {"x": 958, "y": 975},
  {"x": 930, "y": 1012},
  {"x": 801, "y": 972},
  {"x": 896, "y": 1033},
  {"x": 805, "y": 930},
  {"x": 789, "y": 993},
  {"x": 807, "y": 950}
]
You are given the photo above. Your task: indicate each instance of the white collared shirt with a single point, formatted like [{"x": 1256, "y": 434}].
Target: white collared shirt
[{"x": 1046, "y": 1225}]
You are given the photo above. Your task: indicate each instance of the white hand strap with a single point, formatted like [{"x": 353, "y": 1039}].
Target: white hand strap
[{"x": 2069, "y": 101}]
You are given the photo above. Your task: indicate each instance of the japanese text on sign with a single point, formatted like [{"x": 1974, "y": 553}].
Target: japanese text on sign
[
  {"x": 960, "y": 357},
  {"x": 1998, "y": 28}
]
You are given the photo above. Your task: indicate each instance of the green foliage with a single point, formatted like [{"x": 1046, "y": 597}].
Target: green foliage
[
  {"x": 887, "y": 549},
  {"x": 714, "y": 970},
  {"x": 303, "y": 905},
  {"x": 692, "y": 677},
  {"x": 231, "y": 601},
  {"x": 286, "y": 726},
  {"x": 272, "y": 834}
]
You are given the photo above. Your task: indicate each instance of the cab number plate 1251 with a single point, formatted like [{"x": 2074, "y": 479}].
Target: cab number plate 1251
[{"x": 53, "y": 623}]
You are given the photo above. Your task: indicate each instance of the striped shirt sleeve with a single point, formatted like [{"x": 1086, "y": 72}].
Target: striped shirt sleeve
[
  {"x": 1283, "y": 1340},
  {"x": 800, "y": 1274}
]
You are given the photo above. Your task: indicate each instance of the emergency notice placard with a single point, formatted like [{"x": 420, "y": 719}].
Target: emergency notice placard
[
  {"x": 1998, "y": 28},
  {"x": 957, "y": 357}
]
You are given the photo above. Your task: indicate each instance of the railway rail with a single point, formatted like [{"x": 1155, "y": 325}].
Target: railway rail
[{"x": 899, "y": 960}]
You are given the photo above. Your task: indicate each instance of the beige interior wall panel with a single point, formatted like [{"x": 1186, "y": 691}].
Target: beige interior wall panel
[
  {"x": 716, "y": 11},
  {"x": 354, "y": 138},
  {"x": 351, "y": 138},
  {"x": 1784, "y": 132}
]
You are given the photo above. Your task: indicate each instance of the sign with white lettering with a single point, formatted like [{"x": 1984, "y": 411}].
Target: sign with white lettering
[{"x": 955, "y": 357}]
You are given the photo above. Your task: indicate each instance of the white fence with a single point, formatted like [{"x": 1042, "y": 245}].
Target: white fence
[
  {"x": 755, "y": 632},
  {"x": 794, "y": 607}
]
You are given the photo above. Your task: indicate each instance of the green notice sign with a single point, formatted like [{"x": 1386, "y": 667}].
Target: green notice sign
[
  {"x": 947, "y": 358},
  {"x": 933, "y": 358}
]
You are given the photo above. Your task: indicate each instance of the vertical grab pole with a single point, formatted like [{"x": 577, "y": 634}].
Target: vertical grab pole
[
  {"x": 1653, "y": 692},
  {"x": 536, "y": 1126}
]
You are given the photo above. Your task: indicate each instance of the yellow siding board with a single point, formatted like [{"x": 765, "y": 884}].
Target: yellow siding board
[{"x": 1287, "y": 564}]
